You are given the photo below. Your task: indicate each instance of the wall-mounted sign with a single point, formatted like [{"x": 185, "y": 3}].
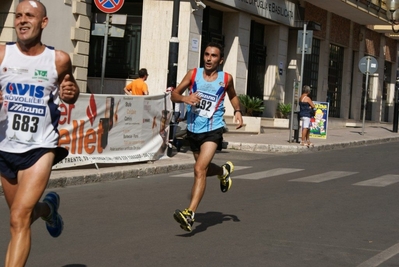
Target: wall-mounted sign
[{"x": 278, "y": 10}]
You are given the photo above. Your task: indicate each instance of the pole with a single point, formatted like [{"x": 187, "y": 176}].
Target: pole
[
  {"x": 105, "y": 49},
  {"x": 365, "y": 92},
  {"x": 174, "y": 46},
  {"x": 303, "y": 57},
  {"x": 172, "y": 68},
  {"x": 292, "y": 111}
]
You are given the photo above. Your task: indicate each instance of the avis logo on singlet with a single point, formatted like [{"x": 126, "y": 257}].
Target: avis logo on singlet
[
  {"x": 25, "y": 89},
  {"x": 26, "y": 112}
]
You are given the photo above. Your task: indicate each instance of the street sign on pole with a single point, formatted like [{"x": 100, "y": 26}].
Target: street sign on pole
[
  {"x": 367, "y": 65},
  {"x": 109, "y": 6},
  {"x": 304, "y": 43},
  {"x": 115, "y": 29}
]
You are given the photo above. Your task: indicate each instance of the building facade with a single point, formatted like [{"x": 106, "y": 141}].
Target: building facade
[{"x": 261, "y": 47}]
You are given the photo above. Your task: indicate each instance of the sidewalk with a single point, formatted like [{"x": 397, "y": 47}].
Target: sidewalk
[
  {"x": 277, "y": 140},
  {"x": 271, "y": 140}
]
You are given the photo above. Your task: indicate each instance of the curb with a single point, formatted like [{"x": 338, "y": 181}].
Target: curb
[
  {"x": 252, "y": 147},
  {"x": 70, "y": 177},
  {"x": 112, "y": 175}
]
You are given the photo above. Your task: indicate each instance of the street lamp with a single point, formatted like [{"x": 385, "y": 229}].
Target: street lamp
[{"x": 393, "y": 13}]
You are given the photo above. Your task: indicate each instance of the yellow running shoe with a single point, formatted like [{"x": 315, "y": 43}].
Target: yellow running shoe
[
  {"x": 185, "y": 218},
  {"x": 225, "y": 181}
]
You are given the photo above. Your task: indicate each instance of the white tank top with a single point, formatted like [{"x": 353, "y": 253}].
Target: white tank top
[{"x": 29, "y": 113}]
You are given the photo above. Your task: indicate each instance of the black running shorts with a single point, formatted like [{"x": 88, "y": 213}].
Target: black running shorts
[
  {"x": 197, "y": 139},
  {"x": 11, "y": 163}
]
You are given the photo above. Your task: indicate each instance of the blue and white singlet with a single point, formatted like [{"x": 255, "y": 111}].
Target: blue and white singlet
[
  {"x": 208, "y": 116},
  {"x": 29, "y": 114}
]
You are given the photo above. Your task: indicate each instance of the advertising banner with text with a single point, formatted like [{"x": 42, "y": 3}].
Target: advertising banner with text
[
  {"x": 114, "y": 129},
  {"x": 319, "y": 123}
]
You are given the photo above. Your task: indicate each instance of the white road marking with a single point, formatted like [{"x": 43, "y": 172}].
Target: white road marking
[
  {"x": 266, "y": 174},
  {"x": 191, "y": 174},
  {"x": 381, "y": 181},
  {"x": 381, "y": 257},
  {"x": 323, "y": 177}
]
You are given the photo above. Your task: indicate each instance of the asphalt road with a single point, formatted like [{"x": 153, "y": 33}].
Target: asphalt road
[{"x": 331, "y": 208}]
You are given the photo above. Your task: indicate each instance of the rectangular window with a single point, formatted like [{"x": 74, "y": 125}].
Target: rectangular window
[
  {"x": 123, "y": 54},
  {"x": 212, "y": 25},
  {"x": 335, "y": 70},
  {"x": 257, "y": 61},
  {"x": 311, "y": 68},
  {"x": 387, "y": 79}
]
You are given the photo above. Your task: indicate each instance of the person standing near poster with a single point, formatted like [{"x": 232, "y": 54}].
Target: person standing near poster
[
  {"x": 33, "y": 79},
  {"x": 205, "y": 109},
  {"x": 306, "y": 107}
]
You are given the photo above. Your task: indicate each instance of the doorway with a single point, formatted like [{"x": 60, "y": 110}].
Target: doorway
[
  {"x": 335, "y": 80},
  {"x": 257, "y": 61}
]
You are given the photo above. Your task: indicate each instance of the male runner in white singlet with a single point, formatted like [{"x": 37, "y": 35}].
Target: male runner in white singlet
[
  {"x": 33, "y": 79},
  {"x": 205, "y": 108}
]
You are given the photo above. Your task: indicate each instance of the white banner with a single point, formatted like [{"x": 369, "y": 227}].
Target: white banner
[{"x": 114, "y": 129}]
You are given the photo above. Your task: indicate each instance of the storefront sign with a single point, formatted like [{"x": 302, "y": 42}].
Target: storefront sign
[{"x": 277, "y": 10}]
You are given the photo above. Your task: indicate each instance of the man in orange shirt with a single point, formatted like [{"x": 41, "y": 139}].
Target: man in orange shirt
[{"x": 138, "y": 86}]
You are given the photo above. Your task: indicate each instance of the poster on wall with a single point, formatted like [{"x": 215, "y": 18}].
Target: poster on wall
[
  {"x": 114, "y": 129},
  {"x": 319, "y": 123}
]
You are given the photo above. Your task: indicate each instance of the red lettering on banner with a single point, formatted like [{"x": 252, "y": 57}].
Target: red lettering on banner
[
  {"x": 66, "y": 113},
  {"x": 78, "y": 139}
]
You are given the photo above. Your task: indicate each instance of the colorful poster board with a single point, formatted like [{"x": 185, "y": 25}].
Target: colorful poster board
[{"x": 319, "y": 123}]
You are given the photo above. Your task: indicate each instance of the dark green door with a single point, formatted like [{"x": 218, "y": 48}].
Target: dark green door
[{"x": 257, "y": 61}]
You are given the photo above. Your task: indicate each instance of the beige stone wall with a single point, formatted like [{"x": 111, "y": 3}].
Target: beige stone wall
[{"x": 7, "y": 11}]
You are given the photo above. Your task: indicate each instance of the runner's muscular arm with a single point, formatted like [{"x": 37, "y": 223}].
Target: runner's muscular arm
[
  {"x": 235, "y": 102},
  {"x": 177, "y": 94},
  {"x": 69, "y": 90}
]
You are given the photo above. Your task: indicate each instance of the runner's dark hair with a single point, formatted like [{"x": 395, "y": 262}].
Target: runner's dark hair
[{"x": 217, "y": 45}]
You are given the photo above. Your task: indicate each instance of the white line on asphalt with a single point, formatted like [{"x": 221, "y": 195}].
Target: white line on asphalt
[
  {"x": 322, "y": 177},
  {"x": 267, "y": 174},
  {"x": 381, "y": 181},
  {"x": 381, "y": 257},
  {"x": 191, "y": 174}
]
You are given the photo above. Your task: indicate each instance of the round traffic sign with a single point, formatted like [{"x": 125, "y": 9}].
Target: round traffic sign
[
  {"x": 109, "y": 6},
  {"x": 368, "y": 64}
]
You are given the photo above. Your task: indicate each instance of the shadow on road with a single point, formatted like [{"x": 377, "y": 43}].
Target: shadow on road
[{"x": 209, "y": 219}]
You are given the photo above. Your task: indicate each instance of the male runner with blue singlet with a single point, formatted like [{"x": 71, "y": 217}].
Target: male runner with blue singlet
[{"x": 205, "y": 108}]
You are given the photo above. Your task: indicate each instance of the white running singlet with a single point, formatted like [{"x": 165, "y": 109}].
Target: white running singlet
[{"x": 29, "y": 113}]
